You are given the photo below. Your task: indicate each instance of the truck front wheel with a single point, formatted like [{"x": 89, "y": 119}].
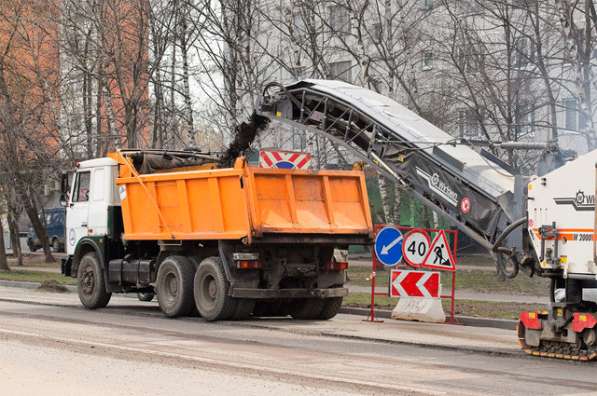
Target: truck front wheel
[
  {"x": 174, "y": 286},
  {"x": 92, "y": 286},
  {"x": 211, "y": 291}
]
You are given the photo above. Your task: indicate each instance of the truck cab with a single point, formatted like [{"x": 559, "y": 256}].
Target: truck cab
[{"x": 93, "y": 196}]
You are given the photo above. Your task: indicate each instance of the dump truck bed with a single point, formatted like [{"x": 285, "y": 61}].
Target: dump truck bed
[{"x": 243, "y": 202}]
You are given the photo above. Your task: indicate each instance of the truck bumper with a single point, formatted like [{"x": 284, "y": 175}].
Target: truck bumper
[{"x": 288, "y": 293}]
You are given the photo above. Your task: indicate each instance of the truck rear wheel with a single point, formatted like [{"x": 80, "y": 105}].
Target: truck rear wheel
[
  {"x": 271, "y": 308},
  {"x": 145, "y": 296},
  {"x": 211, "y": 291},
  {"x": 331, "y": 306},
  {"x": 309, "y": 308},
  {"x": 91, "y": 282},
  {"x": 174, "y": 286}
]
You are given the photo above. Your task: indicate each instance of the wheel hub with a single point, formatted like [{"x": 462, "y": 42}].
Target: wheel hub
[
  {"x": 212, "y": 288},
  {"x": 88, "y": 281},
  {"x": 172, "y": 285}
]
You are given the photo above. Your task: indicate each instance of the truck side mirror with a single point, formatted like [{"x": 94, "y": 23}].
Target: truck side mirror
[
  {"x": 64, "y": 186},
  {"x": 63, "y": 200}
]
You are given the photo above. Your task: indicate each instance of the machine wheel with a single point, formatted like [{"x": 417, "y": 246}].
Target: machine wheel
[
  {"x": 331, "y": 306},
  {"x": 174, "y": 286},
  {"x": 309, "y": 308},
  {"x": 91, "y": 282},
  {"x": 211, "y": 291},
  {"x": 145, "y": 296}
]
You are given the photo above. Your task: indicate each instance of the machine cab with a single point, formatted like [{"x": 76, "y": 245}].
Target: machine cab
[{"x": 92, "y": 194}]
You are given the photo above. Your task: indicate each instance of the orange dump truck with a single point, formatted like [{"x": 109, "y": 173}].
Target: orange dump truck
[{"x": 226, "y": 242}]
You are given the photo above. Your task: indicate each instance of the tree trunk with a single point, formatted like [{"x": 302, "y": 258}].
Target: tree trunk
[
  {"x": 184, "y": 49},
  {"x": 396, "y": 209},
  {"x": 3, "y": 260},
  {"x": 38, "y": 226},
  {"x": 384, "y": 193},
  {"x": 13, "y": 228}
]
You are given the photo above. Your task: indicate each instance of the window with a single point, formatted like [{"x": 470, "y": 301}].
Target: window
[
  {"x": 463, "y": 57},
  {"x": 339, "y": 20},
  {"x": 377, "y": 33},
  {"x": 427, "y": 60},
  {"x": 571, "y": 114},
  {"x": 524, "y": 53},
  {"x": 297, "y": 72},
  {"x": 583, "y": 121},
  {"x": 525, "y": 118},
  {"x": 82, "y": 187},
  {"x": 468, "y": 124},
  {"x": 298, "y": 25},
  {"x": 341, "y": 71},
  {"x": 426, "y": 5}
]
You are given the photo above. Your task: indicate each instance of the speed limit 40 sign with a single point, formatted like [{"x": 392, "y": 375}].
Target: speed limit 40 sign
[{"x": 415, "y": 247}]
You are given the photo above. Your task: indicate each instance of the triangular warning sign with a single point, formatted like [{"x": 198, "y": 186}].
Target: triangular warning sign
[{"x": 440, "y": 255}]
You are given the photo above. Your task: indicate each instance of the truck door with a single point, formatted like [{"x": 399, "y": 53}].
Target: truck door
[
  {"x": 98, "y": 202},
  {"x": 77, "y": 211}
]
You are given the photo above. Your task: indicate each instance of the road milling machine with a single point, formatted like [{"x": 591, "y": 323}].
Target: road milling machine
[{"x": 544, "y": 224}]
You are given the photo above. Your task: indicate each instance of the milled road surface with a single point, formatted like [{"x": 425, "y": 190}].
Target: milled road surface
[{"x": 49, "y": 345}]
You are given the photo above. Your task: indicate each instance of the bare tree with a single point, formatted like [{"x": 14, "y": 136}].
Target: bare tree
[{"x": 3, "y": 260}]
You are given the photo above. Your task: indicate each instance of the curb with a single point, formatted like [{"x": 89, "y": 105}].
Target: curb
[
  {"x": 31, "y": 285},
  {"x": 505, "y": 324}
]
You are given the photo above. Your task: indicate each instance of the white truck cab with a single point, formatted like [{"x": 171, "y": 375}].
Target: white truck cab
[{"x": 93, "y": 190}]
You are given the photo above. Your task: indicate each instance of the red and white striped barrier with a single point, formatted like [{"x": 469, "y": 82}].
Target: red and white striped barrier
[{"x": 284, "y": 159}]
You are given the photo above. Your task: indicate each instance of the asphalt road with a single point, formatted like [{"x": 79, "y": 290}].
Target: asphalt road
[{"x": 47, "y": 347}]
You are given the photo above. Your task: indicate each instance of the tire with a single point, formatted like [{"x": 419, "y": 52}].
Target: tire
[
  {"x": 146, "y": 296},
  {"x": 331, "y": 306},
  {"x": 174, "y": 286},
  {"x": 244, "y": 309},
  {"x": 92, "y": 286},
  {"x": 31, "y": 246},
  {"x": 271, "y": 308},
  {"x": 211, "y": 291},
  {"x": 309, "y": 308}
]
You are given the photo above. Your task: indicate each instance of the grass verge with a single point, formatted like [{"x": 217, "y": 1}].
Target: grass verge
[
  {"x": 485, "y": 309},
  {"x": 475, "y": 280},
  {"x": 36, "y": 276}
]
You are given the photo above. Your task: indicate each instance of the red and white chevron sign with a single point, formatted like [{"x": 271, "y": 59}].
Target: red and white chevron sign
[
  {"x": 415, "y": 284},
  {"x": 284, "y": 159}
]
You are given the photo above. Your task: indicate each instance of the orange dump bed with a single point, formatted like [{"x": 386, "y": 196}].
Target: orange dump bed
[{"x": 239, "y": 202}]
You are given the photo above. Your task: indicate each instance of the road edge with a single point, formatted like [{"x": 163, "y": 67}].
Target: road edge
[{"x": 505, "y": 324}]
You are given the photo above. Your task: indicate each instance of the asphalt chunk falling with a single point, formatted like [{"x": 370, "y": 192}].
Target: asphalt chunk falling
[{"x": 245, "y": 134}]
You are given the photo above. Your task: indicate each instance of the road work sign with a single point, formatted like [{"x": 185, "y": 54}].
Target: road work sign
[
  {"x": 406, "y": 283},
  {"x": 440, "y": 255},
  {"x": 388, "y": 246},
  {"x": 284, "y": 159},
  {"x": 416, "y": 247}
]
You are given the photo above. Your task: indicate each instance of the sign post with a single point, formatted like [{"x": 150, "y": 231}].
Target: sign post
[
  {"x": 388, "y": 250},
  {"x": 407, "y": 248}
]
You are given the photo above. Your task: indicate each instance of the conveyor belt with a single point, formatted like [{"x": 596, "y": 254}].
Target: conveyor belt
[{"x": 471, "y": 188}]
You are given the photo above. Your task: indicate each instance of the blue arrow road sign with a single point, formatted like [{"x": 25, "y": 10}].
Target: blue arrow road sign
[{"x": 388, "y": 246}]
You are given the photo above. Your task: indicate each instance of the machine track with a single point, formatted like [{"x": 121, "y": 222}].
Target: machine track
[{"x": 558, "y": 350}]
